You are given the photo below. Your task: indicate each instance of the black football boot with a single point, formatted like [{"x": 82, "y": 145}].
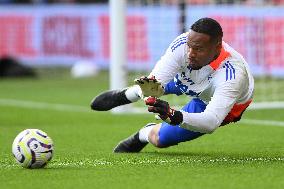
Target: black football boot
[
  {"x": 109, "y": 99},
  {"x": 131, "y": 144}
]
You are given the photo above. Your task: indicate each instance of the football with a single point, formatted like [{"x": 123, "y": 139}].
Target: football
[{"x": 32, "y": 148}]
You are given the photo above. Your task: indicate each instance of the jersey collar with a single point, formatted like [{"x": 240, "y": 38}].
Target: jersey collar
[{"x": 223, "y": 55}]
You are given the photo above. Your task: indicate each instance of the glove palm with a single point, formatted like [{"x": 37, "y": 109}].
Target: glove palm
[{"x": 150, "y": 86}]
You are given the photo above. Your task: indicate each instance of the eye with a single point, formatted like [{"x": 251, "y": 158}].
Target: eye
[{"x": 194, "y": 48}]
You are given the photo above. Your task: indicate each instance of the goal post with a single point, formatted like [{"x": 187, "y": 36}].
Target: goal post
[{"x": 118, "y": 46}]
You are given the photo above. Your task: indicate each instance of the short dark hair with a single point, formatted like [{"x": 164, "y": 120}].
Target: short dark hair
[{"x": 210, "y": 27}]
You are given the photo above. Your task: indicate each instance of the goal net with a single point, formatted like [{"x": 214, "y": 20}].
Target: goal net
[{"x": 254, "y": 28}]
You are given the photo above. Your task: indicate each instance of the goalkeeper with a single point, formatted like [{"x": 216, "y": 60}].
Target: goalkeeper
[{"x": 199, "y": 64}]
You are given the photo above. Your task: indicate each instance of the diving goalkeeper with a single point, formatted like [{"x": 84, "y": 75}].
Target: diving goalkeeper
[{"x": 197, "y": 63}]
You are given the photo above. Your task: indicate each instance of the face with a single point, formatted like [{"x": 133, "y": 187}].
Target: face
[{"x": 201, "y": 50}]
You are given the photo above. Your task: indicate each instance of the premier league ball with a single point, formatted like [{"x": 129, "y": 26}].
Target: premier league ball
[{"x": 32, "y": 148}]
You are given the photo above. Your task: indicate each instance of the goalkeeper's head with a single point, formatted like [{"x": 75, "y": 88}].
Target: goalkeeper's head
[{"x": 204, "y": 42}]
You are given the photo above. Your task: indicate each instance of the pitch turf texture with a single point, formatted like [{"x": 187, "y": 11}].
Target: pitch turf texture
[{"x": 237, "y": 156}]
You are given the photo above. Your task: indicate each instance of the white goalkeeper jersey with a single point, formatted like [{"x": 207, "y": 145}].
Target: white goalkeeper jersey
[{"x": 225, "y": 85}]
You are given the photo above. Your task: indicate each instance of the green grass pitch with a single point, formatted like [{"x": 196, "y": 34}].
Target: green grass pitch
[{"x": 236, "y": 156}]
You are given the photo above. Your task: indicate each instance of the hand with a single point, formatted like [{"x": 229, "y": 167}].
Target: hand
[
  {"x": 165, "y": 112},
  {"x": 150, "y": 86}
]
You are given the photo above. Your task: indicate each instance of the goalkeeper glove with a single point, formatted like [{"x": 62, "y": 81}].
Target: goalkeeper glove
[
  {"x": 150, "y": 86},
  {"x": 164, "y": 111}
]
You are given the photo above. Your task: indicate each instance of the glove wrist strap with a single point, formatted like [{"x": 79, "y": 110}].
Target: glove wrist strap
[{"x": 174, "y": 118}]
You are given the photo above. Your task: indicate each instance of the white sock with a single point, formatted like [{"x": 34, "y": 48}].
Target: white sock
[
  {"x": 144, "y": 133},
  {"x": 133, "y": 93}
]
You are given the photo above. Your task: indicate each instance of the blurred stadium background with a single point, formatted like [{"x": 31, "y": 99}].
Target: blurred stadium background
[{"x": 50, "y": 33}]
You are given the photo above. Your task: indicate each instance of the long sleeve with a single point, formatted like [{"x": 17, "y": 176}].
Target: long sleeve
[{"x": 225, "y": 96}]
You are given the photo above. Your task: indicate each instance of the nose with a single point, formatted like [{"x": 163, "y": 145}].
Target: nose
[{"x": 191, "y": 53}]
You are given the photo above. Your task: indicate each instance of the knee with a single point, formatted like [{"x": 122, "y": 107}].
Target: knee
[{"x": 154, "y": 136}]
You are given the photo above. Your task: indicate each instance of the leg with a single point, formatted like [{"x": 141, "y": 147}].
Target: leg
[
  {"x": 113, "y": 98},
  {"x": 165, "y": 135},
  {"x": 161, "y": 135}
]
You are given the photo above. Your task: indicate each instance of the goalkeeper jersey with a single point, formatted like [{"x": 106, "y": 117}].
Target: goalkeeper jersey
[{"x": 225, "y": 85}]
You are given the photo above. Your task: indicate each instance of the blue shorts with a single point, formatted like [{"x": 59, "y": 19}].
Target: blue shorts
[{"x": 172, "y": 135}]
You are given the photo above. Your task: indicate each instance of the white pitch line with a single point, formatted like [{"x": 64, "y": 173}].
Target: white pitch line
[
  {"x": 266, "y": 105},
  {"x": 262, "y": 122},
  {"x": 43, "y": 105},
  {"x": 77, "y": 108}
]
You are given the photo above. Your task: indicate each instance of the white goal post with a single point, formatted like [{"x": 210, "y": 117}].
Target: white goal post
[
  {"x": 118, "y": 49},
  {"x": 118, "y": 46}
]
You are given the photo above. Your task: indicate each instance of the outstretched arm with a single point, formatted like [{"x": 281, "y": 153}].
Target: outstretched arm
[
  {"x": 164, "y": 71},
  {"x": 199, "y": 122}
]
